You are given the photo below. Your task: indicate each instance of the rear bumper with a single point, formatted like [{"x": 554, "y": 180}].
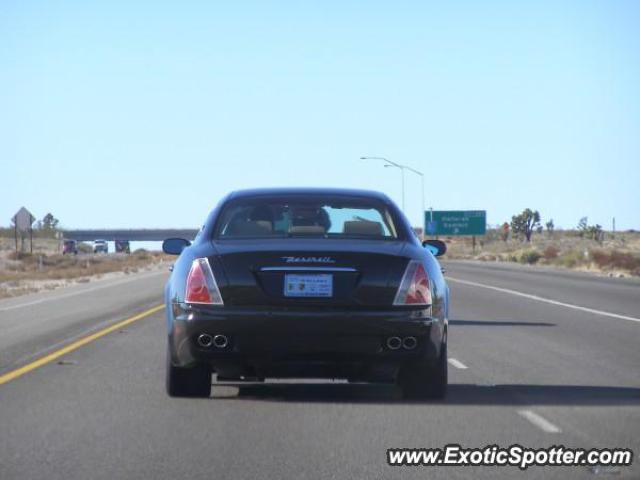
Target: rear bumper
[{"x": 281, "y": 343}]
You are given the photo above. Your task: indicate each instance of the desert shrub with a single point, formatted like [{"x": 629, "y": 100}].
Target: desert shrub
[
  {"x": 626, "y": 261},
  {"x": 25, "y": 257},
  {"x": 492, "y": 235},
  {"x": 529, "y": 257},
  {"x": 85, "y": 248},
  {"x": 615, "y": 259},
  {"x": 142, "y": 254},
  {"x": 551, "y": 252},
  {"x": 572, "y": 258},
  {"x": 600, "y": 258}
]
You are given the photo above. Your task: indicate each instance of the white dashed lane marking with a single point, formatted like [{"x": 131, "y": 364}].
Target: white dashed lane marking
[
  {"x": 539, "y": 421},
  {"x": 457, "y": 363},
  {"x": 545, "y": 300}
]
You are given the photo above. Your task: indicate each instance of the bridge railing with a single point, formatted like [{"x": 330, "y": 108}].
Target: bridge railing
[{"x": 132, "y": 234}]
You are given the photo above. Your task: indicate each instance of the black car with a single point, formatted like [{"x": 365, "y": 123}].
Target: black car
[{"x": 306, "y": 283}]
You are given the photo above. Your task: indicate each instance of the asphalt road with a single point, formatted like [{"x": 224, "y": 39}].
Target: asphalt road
[
  {"x": 539, "y": 372},
  {"x": 36, "y": 324}
]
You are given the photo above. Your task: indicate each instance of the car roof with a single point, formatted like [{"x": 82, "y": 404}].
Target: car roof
[{"x": 348, "y": 192}]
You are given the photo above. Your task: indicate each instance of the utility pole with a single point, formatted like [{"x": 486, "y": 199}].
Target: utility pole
[{"x": 613, "y": 227}]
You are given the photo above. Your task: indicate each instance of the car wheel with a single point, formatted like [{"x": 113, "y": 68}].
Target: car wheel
[
  {"x": 188, "y": 382},
  {"x": 419, "y": 380}
]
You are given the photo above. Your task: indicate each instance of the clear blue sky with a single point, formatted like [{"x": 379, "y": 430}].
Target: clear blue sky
[{"x": 121, "y": 115}]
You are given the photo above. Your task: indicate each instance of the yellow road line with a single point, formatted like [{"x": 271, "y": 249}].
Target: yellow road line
[{"x": 7, "y": 377}]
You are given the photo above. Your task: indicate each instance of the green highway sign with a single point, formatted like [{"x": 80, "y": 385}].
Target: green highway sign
[{"x": 455, "y": 223}]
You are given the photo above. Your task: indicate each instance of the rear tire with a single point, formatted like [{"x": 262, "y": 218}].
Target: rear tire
[
  {"x": 423, "y": 381},
  {"x": 188, "y": 382}
]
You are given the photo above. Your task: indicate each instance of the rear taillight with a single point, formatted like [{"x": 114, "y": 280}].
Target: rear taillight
[
  {"x": 414, "y": 288},
  {"x": 201, "y": 284}
]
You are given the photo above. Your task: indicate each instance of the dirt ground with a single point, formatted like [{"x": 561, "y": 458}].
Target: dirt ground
[
  {"x": 617, "y": 255},
  {"x": 47, "y": 269}
]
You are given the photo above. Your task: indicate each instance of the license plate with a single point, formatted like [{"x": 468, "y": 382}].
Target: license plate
[{"x": 308, "y": 285}]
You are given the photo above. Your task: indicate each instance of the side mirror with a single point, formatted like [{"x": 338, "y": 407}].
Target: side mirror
[
  {"x": 436, "y": 247},
  {"x": 174, "y": 246}
]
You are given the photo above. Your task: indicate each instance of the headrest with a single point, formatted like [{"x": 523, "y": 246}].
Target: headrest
[
  {"x": 245, "y": 228},
  {"x": 307, "y": 229},
  {"x": 363, "y": 227}
]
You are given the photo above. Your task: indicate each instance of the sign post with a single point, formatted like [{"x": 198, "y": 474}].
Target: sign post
[{"x": 23, "y": 221}]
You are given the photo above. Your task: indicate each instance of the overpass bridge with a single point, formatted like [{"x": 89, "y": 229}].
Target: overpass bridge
[{"x": 132, "y": 234}]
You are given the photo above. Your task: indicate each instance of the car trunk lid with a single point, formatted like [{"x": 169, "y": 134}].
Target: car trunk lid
[{"x": 304, "y": 272}]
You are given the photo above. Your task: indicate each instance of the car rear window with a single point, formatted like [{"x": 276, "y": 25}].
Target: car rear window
[{"x": 298, "y": 216}]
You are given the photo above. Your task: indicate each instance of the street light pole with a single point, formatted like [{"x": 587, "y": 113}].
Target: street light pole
[
  {"x": 402, "y": 168},
  {"x": 402, "y": 176},
  {"x": 421, "y": 186},
  {"x": 389, "y": 163}
]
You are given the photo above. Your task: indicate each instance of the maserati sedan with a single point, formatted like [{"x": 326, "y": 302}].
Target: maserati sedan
[{"x": 306, "y": 283}]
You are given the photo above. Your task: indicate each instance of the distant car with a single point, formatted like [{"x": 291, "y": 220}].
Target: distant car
[
  {"x": 312, "y": 283},
  {"x": 70, "y": 247},
  {"x": 122, "y": 246},
  {"x": 100, "y": 246}
]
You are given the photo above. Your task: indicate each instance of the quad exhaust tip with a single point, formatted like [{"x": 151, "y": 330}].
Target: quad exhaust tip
[
  {"x": 220, "y": 341},
  {"x": 409, "y": 343},
  {"x": 394, "y": 343},
  {"x": 205, "y": 340}
]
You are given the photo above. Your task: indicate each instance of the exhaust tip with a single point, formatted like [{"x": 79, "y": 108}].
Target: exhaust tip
[
  {"x": 220, "y": 341},
  {"x": 205, "y": 340},
  {"x": 409, "y": 343},
  {"x": 394, "y": 343}
]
